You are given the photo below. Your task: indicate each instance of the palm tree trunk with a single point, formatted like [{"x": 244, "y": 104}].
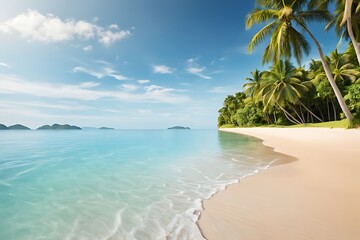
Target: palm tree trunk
[
  {"x": 328, "y": 108},
  {"x": 288, "y": 116},
  {"x": 329, "y": 75},
  {"x": 320, "y": 111},
  {"x": 266, "y": 118},
  {"x": 297, "y": 114},
  {"x": 311, "y": 112},
  {"x": 334, "y": 109},
  {"x": 275, "y": 117},
  {"x": 353, "y": 39},
  {"x": 302, "y": 114},
  {"x": 347, "y": 14},
  {"x": 291, "y": 118},
  {"x": 307, "y": 117}
]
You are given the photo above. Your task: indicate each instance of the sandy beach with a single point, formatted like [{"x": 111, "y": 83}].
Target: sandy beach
[{"x": 316, "y": 197}]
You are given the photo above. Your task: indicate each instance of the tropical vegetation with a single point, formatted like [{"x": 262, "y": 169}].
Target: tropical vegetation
[{"x": 328, "y": 89}]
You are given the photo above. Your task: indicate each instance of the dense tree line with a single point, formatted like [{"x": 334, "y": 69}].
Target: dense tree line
[{"x": 329, "y": 89}]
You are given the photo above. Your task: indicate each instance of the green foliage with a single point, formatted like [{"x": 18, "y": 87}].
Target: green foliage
[
  {"x": 283, "y": 84},
  {"x": 355, "y": 123},
  {"x": 227, "y": 126},
  {"x": 332, "y": 124},
  {"x": 324, "y": 90},
  {"x": 353, "y": 98},
  {"x": 228, "y": 111},
  {"x": 250, "y": 115},
  {"x": 284, "y": 94},
  {"x": 282, "y": 121},
  {"x": 282, "y": 19}
]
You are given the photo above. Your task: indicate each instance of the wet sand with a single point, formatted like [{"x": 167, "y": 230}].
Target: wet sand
[{"x": 316, "y": 197}]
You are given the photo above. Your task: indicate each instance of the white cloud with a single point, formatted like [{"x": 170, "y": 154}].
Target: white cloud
[
  {"x": 88, "y": 71},
  {"x": 35, "y": 26},
  {"x": 113, "y": 26},
  {"x": 162, "y": 94},
  {"x": 113, "y": 110},
  {"x": 103, "y": 62},
  {"x": 10, "y": 84},
  {"x": 105, "y": 72},
  {"x": 108, "y": 37},
  {"x": 118, "y": 76},
  {"x": 89, "y": 84},
  {"x": 217, "y": 60},
  {"x": 63, "y": 106},
  {"x": 196, "y": 69},
  {"x": 2, "y": 64},
  {"x": 162, "y": 69},
  {"x": 129, "y": 87},
  {"x": 143, "y": 81},
  {"x": 88, "y": 48},
  {"x": 27, "y": 112},
  {"x": 198, "y": 72},
  {"x": 192, "y": 60}
]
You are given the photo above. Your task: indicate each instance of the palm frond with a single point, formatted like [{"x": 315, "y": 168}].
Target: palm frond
[
  {"x": 259, "y": 16},
  {"x": 319, "y": 4},
  {"x": 314, "y": 16},
  {"x": 261, "y": 35},
  {"x": 299, "y": 44}
]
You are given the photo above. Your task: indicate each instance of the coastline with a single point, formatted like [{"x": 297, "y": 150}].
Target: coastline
[{"x": 315, "y": 197}]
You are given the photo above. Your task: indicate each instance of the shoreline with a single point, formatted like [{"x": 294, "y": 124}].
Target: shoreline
[{"x": 315, "y": 197}]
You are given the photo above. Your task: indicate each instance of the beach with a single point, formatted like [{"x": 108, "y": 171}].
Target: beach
[{"x": 315, "y": 197}]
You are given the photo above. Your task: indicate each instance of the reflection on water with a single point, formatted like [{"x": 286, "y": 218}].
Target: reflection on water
[{"x": 230, "y": 141}]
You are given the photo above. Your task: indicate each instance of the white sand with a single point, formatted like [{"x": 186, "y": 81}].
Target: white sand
[{"x": 316, "y": 197}]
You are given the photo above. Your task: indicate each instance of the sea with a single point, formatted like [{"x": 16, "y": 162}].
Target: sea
[{"x": 117, "y": 184}]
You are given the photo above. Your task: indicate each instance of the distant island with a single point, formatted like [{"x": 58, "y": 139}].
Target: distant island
[
  {"x": 59, "y": 127},
  {"x": 106, "y": 128},
  {"x": 178, "y": 127},
  {"x": 14, "y": 127}
]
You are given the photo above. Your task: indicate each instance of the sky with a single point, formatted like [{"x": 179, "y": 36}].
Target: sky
[{"x": 128, "y": 64}]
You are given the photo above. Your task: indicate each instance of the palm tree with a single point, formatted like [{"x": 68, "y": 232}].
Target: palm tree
[
  {"x": 351, "y": 55},
  {"x": 344, "y": 73},
  {"x": 342, "y": 69},
  {"x": 348, "y": 19},
  {"x": 284, "y": 87},
  {"x": 252, "y": 87},
  {"x": 345, "y": 12},
  {"x": 285, "y": 40}
]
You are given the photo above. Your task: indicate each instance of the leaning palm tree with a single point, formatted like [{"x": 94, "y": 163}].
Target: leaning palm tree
[
  {"x": 285, "y": 40},
  {"x": 284, "y": 87},
  {"x": 341, "y": 67},
  {"x": 346, "y": 11},
  {"x": 348, "y": 19},
  {"x": 252, "y": 87}
]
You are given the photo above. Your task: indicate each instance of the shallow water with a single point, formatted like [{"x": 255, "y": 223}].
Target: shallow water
[{"x": 117, "y": 184}]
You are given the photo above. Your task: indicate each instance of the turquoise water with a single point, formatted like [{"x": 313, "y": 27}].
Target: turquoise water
[{"x": 121, "y": 184}]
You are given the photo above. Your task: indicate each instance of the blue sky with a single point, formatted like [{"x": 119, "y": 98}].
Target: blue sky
[{"x": 125, "y": 63}]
